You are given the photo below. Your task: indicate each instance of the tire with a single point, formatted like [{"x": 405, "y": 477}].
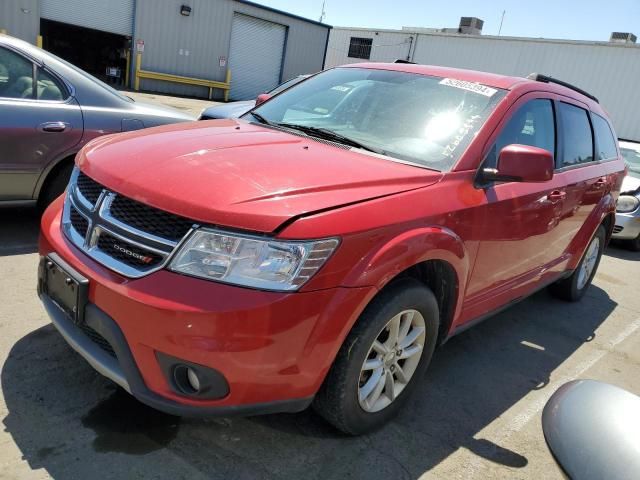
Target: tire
[
  {"x": 339, "y": 398},
  {"x": 574, "y": 287},
  {"x": 55, "y": 185},
  {"x": 633, "y": 245}
]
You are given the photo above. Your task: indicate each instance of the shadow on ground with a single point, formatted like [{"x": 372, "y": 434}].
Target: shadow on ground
[
  {"x": 19, "y": 228},
  {"x": 73, "y": 423},
  {"x": 618, "y": 249}
]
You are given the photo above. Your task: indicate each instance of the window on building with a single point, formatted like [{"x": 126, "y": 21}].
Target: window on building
[
  {"x": 577, "y": 144},
  {"x": 604, "y": 138},
  {"x": 533, "y": 124},
  {"x": 360, "y": 47}
]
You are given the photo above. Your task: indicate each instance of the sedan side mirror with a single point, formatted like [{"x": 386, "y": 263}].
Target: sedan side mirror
[
  {"x": 521, "y": 163},
  {"x": 263, "y": 97}
]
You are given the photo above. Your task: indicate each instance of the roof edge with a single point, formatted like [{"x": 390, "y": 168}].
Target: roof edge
[{"x": 286, "y": 14}]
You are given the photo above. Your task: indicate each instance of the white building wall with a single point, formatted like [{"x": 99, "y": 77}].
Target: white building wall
[
  {"x": 387, "y": 45},
  {"x": 611, "y": 72}
]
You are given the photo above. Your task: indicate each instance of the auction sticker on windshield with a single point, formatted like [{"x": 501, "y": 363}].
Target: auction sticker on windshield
[{"x": 470, "y": 86}]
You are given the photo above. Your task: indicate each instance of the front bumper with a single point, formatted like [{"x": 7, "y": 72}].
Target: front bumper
[
  {"x": 273, "y": 349},
  {"x": 627, "y": 225}
]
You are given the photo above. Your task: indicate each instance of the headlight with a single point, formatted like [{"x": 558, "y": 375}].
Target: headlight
[
  {"x": 252, "y": 261},
  {"x": 627, "y": 203}
]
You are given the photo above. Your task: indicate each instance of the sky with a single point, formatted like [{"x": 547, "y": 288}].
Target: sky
[{"x": 569, "y": 19}]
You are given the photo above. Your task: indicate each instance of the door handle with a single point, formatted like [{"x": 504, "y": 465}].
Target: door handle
[
  {"x": 600, "y": 183},
  {"x": 53, "y": 127},
  {"x": 556, "y": 196}
]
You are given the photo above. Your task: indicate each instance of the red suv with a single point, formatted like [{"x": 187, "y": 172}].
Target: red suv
[{"x": 317, "y": 250}]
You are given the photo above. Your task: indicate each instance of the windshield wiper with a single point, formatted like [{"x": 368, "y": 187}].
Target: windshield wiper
[
  {"x": 261, "y": 119},
  {"x": 327, "y": 134}
]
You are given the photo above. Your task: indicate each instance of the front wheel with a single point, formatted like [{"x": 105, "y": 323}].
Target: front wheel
[
  {"x": 574, "y": 287},
  {"x": 382, "y": 359}
]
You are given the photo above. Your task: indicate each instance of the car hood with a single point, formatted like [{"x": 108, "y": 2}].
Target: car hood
[
  {"x": 630, "y": 184},
  {"x": 229, "y": 110},
  {"x": 236, "y": 174}
]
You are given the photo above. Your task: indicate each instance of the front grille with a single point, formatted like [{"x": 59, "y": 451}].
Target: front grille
[
  {"x": 89, "y": 188},
  {"x": 617, "y": 229},
  {"x": 127, "y": 253},
  {"x": 149, "y": 219},
  {"x": 126, "y": 236},
  {"x": 98, "y": 339},
  {"x": 80, "y": 224}
]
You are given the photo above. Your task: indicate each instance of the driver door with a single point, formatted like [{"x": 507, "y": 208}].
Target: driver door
[{"x": 521, "y": 234}]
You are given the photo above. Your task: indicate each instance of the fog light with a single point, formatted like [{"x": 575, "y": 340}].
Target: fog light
[{"x": 192, "y": 378}]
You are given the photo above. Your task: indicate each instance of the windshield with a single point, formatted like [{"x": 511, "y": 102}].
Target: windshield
[
  {"x": 426, "y": 121},
  {"x": 289, "y": 83},
  {"x": 632, "y": 159}
]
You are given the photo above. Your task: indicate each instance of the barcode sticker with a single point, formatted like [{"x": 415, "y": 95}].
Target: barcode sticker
[{"x": 470, "y": 86}]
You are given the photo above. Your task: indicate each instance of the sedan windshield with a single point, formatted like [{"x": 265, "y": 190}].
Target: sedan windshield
[
  {"x": 632, "y": 159},
  {"x": 423, "y": 120}
]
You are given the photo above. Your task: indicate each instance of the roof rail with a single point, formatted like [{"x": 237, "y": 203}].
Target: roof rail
[
  {"x": 404, "y": 61},
  {"x": 538, "y": 77}
]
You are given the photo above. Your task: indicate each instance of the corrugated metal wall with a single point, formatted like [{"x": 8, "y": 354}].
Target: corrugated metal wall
[
  {"x": 386, "y": 46},
  {"x": 609, "y": 71},
  {"x": 115, "y": 16},
  {"x": 206, "y": 36},
  {"x": 21, "y": 24}
]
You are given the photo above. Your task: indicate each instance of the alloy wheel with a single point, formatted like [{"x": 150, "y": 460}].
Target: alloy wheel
[
  {"x": 589, "y": 262},
  {"x": 392, "y": 360}
]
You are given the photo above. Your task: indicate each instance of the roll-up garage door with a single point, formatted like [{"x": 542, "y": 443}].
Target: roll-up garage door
[
  {"x": 255, "y": 59},
  {"x": 115, "y": 16}
]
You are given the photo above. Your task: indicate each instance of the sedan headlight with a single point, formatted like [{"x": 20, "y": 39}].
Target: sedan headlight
[
  {"x": 627, "y": 203},
  {"x": 252, "y": 261}
]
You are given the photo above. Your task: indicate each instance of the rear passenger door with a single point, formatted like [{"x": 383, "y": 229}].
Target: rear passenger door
[
  {"x": 576, "y": 164},
  {"x": 40, "y": 123}
]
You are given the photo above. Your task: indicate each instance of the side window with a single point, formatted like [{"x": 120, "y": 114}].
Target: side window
[
  {"x": 533, "y": 124},
  {"x": 605, "y": 140},
  {"x": 49, "y": 88},
  {"x": 577, "y": 138},
  {"x": 16, "y": 75}
]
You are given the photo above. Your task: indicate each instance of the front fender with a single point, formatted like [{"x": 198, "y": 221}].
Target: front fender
[{"x": 406, "y": 250}]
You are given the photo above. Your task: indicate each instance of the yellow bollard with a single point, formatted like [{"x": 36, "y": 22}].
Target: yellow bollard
[
  {"x": 126, "y": 72},
  {"x": 39, "y": 41},
  {"x": 136, "y": 82},
  {"x": 228, "y": 82}
]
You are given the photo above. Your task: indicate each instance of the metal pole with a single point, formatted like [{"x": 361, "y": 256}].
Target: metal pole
[
  {"x": 136, "y": 80},
  {"x": 501, "y": 22},
  {"x": 126, "y": 73}
]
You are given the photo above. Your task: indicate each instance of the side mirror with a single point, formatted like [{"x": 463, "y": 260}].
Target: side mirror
[
  {"x": 521, "y": 163},
  {"x": 263, "y": 97}
]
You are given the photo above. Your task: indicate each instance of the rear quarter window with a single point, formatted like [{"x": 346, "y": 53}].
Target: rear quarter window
[
  {"x": 605, "y": 141},
  {"x": 577, "y": 139}
]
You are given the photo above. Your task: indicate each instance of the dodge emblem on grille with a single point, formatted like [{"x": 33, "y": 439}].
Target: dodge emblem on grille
[{"x": 142, "y": 258}]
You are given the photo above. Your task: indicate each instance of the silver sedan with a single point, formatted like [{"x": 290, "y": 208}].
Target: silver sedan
[
  {"x": 627, "y": 226},
  {"x": 49, "y": 109}
]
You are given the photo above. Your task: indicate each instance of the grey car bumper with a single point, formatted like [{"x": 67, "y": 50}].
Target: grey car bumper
[{"x": 627, "y": 225}]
